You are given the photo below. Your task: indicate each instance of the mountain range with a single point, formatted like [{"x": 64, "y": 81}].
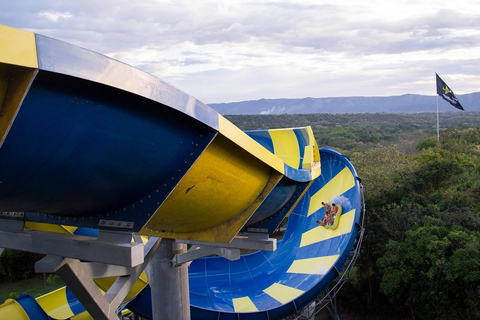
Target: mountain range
[{"x": 408, "y": 103}]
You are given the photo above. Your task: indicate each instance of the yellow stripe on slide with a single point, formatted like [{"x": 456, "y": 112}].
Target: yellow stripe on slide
[
  {"x": 285, "y": 146},
  {"x": 240, "y": 138},
  {"x": 342, "y": 182},
  {"x": 243, "y": 304},
  {"x": 307, "y": 157},
  {"x": 282, "y": 293},
  {"x": 315, "y": 165},
  {"x": 11, "y": 309},
  {"x": 82, "y": 316},
  {"x": 55, "y": 304},
  {"x": 321, "y": 233},
  {"x": 319, "y": 265},
  {"x": 18, "y": 47}
]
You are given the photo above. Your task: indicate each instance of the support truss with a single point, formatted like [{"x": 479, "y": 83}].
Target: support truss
[
  {"x": 79, "y": 260},
  {"x": 230, "y": 251},
  {"x": 79, "y": 277}
]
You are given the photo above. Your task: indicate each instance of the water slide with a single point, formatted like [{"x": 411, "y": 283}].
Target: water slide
[
  {"x": 93, "y": 144},
  {"x": 273, "y": 285}
]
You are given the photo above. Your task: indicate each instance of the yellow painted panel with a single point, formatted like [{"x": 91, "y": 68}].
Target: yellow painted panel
[
  {"x": 82, "y": 316},
  {"x": 11, "y": 309},
  {"x": 285, "y": 146},
  {"x": 18, "y": 47},
  {"x": 14, "y": 83},
  {"x": 315, "y": 166},
  {"x": 243, "y": 304},
  {"x": 235, "y": 184},
  {"x": 282, "y": 293},
  {"x": 55, "y": 304},
  {"x": 144, "y": 239},
  {"x": 319, "y": 265},
  {"x": 105, "y": 283},
  {"x": 342, "y": 182},
  {"x": 50, "y": 227},
  {"x": 240, "y": 138},
  {"x": 307, "y": 157},
  {"x": 321, "y": 233},
  {"x": 311, "y": 136}
]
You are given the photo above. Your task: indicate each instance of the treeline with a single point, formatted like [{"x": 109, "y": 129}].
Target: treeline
[
  {"x": 421, "y": 254},
  {"x": 420, "y": 257},
  {"x": 360, "y": 132},
  {"x": 17, "y": 265}
]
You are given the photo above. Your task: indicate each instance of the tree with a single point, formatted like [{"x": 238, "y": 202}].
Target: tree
[{"x": 435, "y": 272}]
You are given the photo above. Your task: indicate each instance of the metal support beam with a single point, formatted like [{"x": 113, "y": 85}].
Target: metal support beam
[
  {"x": 332, "y": 307},
  {"x": 169, "y": 284},
  {"x": 252, "y": 242},
  {"x": 11, "y": 225},
  {"x": 196, "y": 252},
  {"x": 230, "y": 251},
  {"x": 310, "y": 311},
  {"x": 78, "y": 276},
  {"x": 110, "y": 247}
]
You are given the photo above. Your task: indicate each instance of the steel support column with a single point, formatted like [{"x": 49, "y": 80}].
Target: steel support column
[{"x": 169, "y": 283}]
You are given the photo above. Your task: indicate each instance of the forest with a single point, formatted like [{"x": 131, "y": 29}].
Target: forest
[{"x": 420, "y": 257}]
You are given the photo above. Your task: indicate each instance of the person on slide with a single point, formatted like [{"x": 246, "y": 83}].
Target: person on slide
[{"x": 331, "y": 211}]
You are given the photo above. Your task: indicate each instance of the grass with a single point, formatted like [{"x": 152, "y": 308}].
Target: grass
[{"x": 35, "y": 287}]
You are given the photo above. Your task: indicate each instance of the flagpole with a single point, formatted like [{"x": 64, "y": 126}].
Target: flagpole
[{"x": 438, "y": 124}]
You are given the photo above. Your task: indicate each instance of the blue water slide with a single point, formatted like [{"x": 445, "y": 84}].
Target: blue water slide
[{"x": 274, "y": 285}]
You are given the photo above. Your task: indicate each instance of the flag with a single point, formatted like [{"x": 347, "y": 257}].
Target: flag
[{"x": 446, "y": 93}]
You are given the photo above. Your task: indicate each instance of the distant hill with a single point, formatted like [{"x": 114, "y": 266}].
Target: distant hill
[{"x": 408, "y": 103}]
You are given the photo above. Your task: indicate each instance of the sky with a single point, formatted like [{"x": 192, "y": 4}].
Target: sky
[{"x": 237, "y": 50}]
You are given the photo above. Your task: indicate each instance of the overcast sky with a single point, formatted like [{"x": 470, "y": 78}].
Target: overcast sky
[{"x": 236, "y": 50}]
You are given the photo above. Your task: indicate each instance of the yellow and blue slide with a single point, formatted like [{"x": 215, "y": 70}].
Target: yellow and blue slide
[
  {"x": 91, "y": 143},
  {"x": 273, "y": 285}
]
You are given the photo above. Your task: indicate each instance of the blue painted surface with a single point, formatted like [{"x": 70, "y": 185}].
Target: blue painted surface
[
  {"x": 78, "y": 148},
  {"x": 303, "y": 139},
  {"x": 298, "y": 174},
  {"x": 31, "y": 307},
  {"x": 87, "y": 232},
  {"x": 276, "y": 206},
  {"x": 262, "y": 137},
  {"x": 64, "y": 58},
  {"x": 279, "y": 202},
  {"x": 215, "y": 281},
  {"x": 73, "y": 302}
]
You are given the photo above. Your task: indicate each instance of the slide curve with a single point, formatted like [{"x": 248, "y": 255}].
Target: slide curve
[
  {"x": 261, "y": 285},
  {"x": 274, "y": 285},
  {"x": 87, "y": 142}
]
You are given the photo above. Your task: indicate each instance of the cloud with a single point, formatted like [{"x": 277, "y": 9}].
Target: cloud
[
  {"x": 54, "y": 15},
  {"x": 221, "y": 51}
]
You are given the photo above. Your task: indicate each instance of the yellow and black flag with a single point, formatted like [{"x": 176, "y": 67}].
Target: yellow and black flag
[{"x": 446, "y": 93}]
